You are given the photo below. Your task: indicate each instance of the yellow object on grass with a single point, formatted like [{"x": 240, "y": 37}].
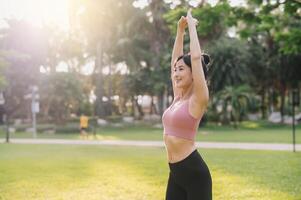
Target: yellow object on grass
[{"x": 84, "y": 121}]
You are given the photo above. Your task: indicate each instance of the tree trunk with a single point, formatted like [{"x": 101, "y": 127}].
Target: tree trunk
[
  {"x": 282, "y": 100},
  {"x": 263, "y": 104},
  {"x": 2, "y": 114},
  {"x": 160, "y": 103},
  {"x": 153, "y": 107},
  {"x": 140, "y": 111},
  {"x": 271, "y": 100},
  {"x": 100, "y": 111},
  {"x": 110, "y": 91},
  {"x": 234, "y": 119},
  {"x": 122, "y": 105},
  {"x": 47, "y": 107}
]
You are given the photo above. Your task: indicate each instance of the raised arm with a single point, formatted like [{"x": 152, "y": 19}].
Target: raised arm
[
  {"x": 200, "y": 95},
  {"x": 178, "y": 48}
]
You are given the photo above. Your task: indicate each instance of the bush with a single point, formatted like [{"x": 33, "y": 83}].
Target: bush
[
  {"x": 114, "y": 118},
  {"x": 68, "y": 128},
  {"x": 40, "y": 127},
  {"x": 212, "y": 116}
]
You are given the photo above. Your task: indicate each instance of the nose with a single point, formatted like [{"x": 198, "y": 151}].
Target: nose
[{"x": 176, "y": 74}]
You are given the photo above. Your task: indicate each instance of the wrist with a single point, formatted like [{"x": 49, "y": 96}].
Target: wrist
[
  {"x": 180, "y": 31},
  {"x": 191, "y": 23}
]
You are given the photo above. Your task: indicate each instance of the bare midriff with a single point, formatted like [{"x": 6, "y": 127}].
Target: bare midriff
[{"x": 178, "y": 148}]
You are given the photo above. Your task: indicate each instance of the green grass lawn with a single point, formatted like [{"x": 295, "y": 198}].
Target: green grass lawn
[
  {"x": 128, "y": 173},
  {"x": 246, "y": 132}
]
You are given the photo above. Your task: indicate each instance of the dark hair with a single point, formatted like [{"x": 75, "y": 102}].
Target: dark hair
[{"x": 205, "y": 62}]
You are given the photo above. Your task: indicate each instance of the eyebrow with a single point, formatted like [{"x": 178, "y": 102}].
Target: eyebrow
[{"x": 178, "y": 66}]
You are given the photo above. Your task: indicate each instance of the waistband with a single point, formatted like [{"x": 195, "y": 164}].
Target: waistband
[{"x": 194, "y": 154}]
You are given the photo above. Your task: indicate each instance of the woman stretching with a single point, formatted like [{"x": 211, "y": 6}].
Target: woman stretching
[{"x": 189, "y": 177}]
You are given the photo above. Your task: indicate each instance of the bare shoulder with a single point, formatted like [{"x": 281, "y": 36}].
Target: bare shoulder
[{"x": 175, "y": 99}]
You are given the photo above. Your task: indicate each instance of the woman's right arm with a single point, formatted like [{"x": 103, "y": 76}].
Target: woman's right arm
[{"x": 178, "y": 49}]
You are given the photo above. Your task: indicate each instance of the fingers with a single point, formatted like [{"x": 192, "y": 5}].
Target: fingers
[
  {"x": 189, "y": 12},
  {"x": 189, "y": 15},
  {"x": 182, "y": 23},
  {"x": 183, "y": 19},
  {"x": 196, "y": 21}
]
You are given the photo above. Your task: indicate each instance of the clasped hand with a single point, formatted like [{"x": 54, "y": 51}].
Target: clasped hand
[{"x": 183, "y": 21}]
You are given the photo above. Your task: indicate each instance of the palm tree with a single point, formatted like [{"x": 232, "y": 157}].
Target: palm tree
[{"x": 235, "y": 102}]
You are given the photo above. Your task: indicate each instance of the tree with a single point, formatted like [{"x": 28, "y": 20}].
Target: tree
[
  {"x": 25, "y": 53},
  {"x": 3, "y": 65},
  {"x": 64, "y": 93},
  {"x": 273, "y": 25},
  {"x": 107, "y": 44},
  {"x": 213, "y": 20},
  {"x": 160, "y": 45},
  {"x": 230, "y": 64},
  {"x": 235, "y": 102}
]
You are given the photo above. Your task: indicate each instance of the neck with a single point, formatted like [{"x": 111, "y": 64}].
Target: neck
[{"x": 186, "y": 92}]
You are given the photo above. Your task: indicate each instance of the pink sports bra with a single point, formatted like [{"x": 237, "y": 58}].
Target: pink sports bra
[{"x": 177, "y": 121}]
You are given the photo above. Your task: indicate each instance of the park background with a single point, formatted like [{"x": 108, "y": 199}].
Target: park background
[{"x": 110, "y": 60}]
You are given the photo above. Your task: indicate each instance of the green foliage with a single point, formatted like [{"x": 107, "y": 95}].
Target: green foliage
[
  {"x": 3, "y": 65},
  {"x": 69, "y": 128},
  {"x": 292, "y": 7},
  {"x": 213, "y": 20},
  {"x": 290, "y": 41},
  {"x": 40, "y": 127},
  {"x": 172, "y": 18},
  {"x": 63, "y": 92},
  {"x": 272, "y": 19},
  {"x": 230, "y": 64},
  {"x": 235, "y": 102},
  {"x": 23, "y": 53},
  {"x": 114, "y": 119},
  {"x": 264, "y": 53}
]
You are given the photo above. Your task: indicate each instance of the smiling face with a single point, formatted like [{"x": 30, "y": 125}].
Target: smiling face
[{"x": 182, "y": 75}]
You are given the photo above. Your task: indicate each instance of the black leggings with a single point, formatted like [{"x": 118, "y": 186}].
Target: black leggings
[{"x": 189, "y": 179}]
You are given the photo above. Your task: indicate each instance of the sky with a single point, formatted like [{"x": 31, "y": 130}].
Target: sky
[{"x": 38, "y": 12}]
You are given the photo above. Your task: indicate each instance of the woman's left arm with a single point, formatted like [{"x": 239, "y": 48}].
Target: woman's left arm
[{"x": 200, "y": 95}]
